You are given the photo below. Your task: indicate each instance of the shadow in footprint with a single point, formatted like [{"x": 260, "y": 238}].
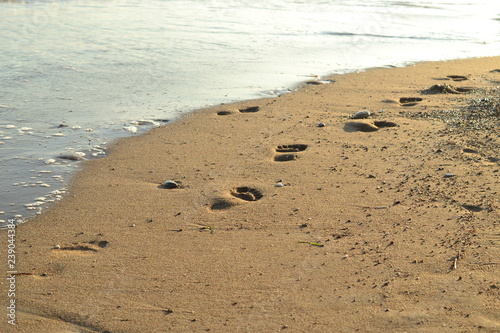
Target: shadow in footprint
[
  {"x": 291, "y": 148},
  {"x": 250, "y": 109},
  {"x": 384, "y": 123},
  {"x": 92, "y": 246},
  {"x": 410, "y": 99},
  {"x": 457, "y": 77},
  {"x": 221, "y": 204},
  {"x": 473, "y": 208},
  {"x": 470, "y": 151},
  {"x": 354, "y": 126},
  {"x": 285, "y": 157},
  {"x": 246, "y": 193},
  {"x": 223, "y": 113}
]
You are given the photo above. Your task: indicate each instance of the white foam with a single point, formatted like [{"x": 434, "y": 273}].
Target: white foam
[{"x": 131, "y": 129}]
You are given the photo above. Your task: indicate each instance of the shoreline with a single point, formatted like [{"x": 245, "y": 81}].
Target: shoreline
[
  {"x": 70, "y": 174},
  {"x": 366, "y": 232}
]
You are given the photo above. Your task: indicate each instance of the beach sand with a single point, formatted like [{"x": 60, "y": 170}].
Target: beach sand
[{"x": 395, "y": 229}]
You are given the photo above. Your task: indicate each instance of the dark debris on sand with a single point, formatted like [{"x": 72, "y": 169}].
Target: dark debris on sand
[{"x": 482, "y": 112}]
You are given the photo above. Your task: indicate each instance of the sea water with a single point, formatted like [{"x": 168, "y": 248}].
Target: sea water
[{"x": 78, "y": 74}]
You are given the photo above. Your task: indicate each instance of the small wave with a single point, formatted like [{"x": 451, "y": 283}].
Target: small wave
[{"x": 351, "y": 34}]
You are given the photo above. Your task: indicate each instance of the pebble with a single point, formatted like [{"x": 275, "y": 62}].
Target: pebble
[
  {"x": 321, "y": 125},
  {"x": 170, "y": 184},
  {"x": 279, "y": 185},
  {"x": 448, "y": 175},
  {"x": 74, "y": 156},
  {"x": 361, "y": 114}
]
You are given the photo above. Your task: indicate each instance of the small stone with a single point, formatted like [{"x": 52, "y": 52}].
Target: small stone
[
  {"x": 57, "y": 247},
  {"x": 73, "y": 156},
  {"x": 361, "y": 114},
  {"x": 170, "y": 184},
  {"x": 279, "y": 185},
  {"x": 448, "y": 175},
  {"x": 321, "y": 125}
]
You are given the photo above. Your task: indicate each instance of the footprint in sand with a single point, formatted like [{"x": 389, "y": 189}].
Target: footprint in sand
[
  {"x": 457, "y": 77},
  {"x": 291, "y": 148},
  {"x": 446, "y": 89},
  {"x": 243, "y": 192},
  {"x": 384, "y": 123},
  {"x": 405, "y": 101},
  {"x": 81, "y": 247},
  {"x": 474, "y": 208},
  {"x": 250, "y": 109},
  {"x": 285, "y": 157},
  {"x": 364, "y": 126},
  {"x": 246, "y": 193},
  {"x": 294, "y": 148},
  {"x": 410, "y": 101}
]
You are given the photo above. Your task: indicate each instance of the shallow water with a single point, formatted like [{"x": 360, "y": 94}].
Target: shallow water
[{"x": 75, "y": 74}]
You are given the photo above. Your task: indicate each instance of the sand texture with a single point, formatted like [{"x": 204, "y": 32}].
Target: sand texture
[{"x": 382, "y": 224}]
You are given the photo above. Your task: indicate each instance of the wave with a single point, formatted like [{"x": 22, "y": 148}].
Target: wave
[{"x": 352, "y": 34}]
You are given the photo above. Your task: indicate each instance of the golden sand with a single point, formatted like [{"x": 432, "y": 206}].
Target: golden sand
[{"x": 383, "y": 224}]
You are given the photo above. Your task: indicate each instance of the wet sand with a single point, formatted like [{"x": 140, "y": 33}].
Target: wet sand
[{"x": 384, "y": 224}]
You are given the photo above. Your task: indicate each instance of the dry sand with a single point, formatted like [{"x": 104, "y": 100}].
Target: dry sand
[{"x": 230, "y": 251}]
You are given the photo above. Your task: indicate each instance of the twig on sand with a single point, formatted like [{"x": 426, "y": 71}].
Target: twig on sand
[
  {"x": 455, "y": 260},
  {"x": 311, "y": 243},
  {"x": 374, "y": 207},
  {"x": 202, "y": 227}
]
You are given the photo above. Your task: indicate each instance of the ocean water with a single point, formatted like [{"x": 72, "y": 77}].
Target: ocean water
[{"x": 78, "y": 74}]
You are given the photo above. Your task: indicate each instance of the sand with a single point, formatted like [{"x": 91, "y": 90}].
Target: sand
[{"x": 280, "y": 224}]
